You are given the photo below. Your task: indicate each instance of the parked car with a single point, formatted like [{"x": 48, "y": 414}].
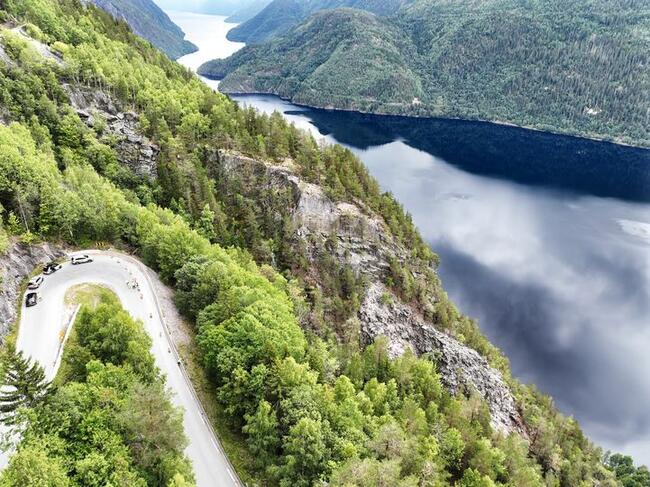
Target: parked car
[
  {"x": 31, "y": 300},
  {"x": 51, "y": 268},
  {"x": 81, "y": 259},
  {"x": 35, "y": 283}
]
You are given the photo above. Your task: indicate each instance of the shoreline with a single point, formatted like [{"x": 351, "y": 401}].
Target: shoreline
[
  {"x": 441, "y": 118},
  {"x": 415, "y": 117}
]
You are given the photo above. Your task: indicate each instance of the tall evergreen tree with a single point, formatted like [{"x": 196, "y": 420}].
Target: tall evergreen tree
[{"x": 24, "y": 385}]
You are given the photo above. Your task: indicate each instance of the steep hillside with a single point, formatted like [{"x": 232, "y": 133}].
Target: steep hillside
[
  {"x": 281, "y": 15},
  {"x": 150, "y": 22},
  {"x": 318, "y": 318},
  {"x": 327, "y": 68},
  {"x": 575, "y": 67},
  {"x": 271, "y": 21}
]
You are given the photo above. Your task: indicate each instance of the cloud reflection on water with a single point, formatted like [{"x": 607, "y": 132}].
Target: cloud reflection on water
[
  {"x": 529, "y": 232},
  {"x": 553, "y": 279},
  {"x": 545, "y": 239}
]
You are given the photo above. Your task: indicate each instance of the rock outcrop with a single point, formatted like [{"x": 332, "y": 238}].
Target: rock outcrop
[
  {"x": 133, "y": 149},
  {"x": 16, "y": 264},
  {"x": 4, "y": 57},
  {"x": 94, "y": 106},
  {"x": 364, "y": 243},
  {"x": 460, "y": 367}
]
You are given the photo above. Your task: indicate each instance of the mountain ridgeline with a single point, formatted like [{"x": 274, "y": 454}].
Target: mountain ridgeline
[
  {"x": 279, "y": 250},
  {"x": 281, "y": 15},
  {"x": 239, "y": 10},
  {"x": 150, "y": 22},
  {"x": 247, "y": 10},
  {"x": 575, "y": 67}
]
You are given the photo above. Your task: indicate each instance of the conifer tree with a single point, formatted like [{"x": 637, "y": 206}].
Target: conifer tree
[{"x": 24, "y": 385}]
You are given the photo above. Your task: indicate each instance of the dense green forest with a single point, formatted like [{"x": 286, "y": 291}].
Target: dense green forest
[
  {"x": 281, "y": 15},
  {"x": 308, "y": 407},
  {"x": 576, "y": 67},
  {"x": 107, "y": 420},
  {"x": 150, "y": 22}
]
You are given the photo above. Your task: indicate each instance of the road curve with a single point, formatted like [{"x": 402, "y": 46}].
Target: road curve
[{"x": 42, "y": 326}]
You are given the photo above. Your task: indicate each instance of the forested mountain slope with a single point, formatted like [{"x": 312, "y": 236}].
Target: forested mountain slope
[
  {"x": 576, "y": 67},
  {"x": 150, "y": 22},
  {"x": 360, "y": 55},
  {"x": 281, "y": 15},
  {"x": 280, "y": 250}
]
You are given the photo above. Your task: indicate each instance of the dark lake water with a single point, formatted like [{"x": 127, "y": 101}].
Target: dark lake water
[{"x": 544, "y": 239}]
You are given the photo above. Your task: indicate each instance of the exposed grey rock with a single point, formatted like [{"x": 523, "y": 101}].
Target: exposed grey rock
[
  {"x": 4, "y": 57},
  {"x": 15, "y": 265},
  {"x": 364, "y": 244},
  {"x": 460, "y": 367},
  {"x": 121, "y": 127},
  {"x": 363, "y": 240}
]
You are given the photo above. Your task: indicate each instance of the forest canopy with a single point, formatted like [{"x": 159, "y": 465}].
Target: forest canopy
[
  {"x": 576, "y": 67},
  {"x": 107, "y": 420},
  {"x": 307, "y": 407}
]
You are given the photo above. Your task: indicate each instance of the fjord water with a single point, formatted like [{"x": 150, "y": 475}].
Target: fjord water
[
  {"x": 545, "y": 239},
  {"x": 208, "y": 32}
]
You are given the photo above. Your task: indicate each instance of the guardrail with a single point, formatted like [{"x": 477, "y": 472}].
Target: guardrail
[
  {"x": 59, "y": 354},
  {"x": 215, "y": 438}
]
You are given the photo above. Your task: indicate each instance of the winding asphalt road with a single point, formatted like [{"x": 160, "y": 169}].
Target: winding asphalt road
[{"x": 43, "y": 326}]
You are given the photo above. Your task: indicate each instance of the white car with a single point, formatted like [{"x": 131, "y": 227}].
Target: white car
[
  {"x": 81, "y": 259},
  {"x": 35, "y": 283}
]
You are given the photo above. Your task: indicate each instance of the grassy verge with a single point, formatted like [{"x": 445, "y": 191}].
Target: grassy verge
[{"x": 88, "y": 295}]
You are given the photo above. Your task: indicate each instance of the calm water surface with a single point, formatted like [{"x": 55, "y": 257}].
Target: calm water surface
[
  {"x": 208, "y": 33},
  {"x": 544, "y": 239}
]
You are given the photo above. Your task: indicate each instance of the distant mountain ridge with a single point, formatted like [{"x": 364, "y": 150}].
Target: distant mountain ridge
[
  {"x": 150, "y": 22},
  {"x": 248, "y": 11},
  {"x": 280, "y": 16},
  {"x": 579, "y": 67},
  {"x": 213, "y": 7}
]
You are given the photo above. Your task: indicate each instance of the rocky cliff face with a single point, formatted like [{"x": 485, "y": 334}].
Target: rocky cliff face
[
  {"x": 133, "y": 150},
  {"x": 15, "y": 265},
  {"x": 364, "y": 243},
  {"x": 94, "y": 107},
  {"x": 460, "y": 367}
]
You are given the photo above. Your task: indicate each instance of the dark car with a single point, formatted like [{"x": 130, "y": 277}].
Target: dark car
[
  {"x": 51, "y": 268},
  {"x": 81, "y": 259},
  {"x": 31, "y": 300}
]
